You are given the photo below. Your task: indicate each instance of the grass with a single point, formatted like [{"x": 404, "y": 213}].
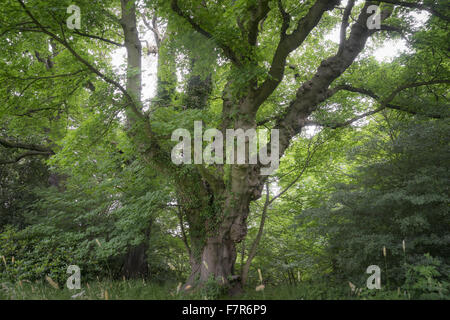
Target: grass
[
  {"x": 103, "y": 290},
  {"x": 141, "y": 290}
]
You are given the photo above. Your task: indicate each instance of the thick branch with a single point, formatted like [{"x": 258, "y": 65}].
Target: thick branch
[
  {"x": 287, "y": 44},
  {"x": 286, "y": 17},
  {"x": 344, "y": 25},
  {"x": 262, "y": 10},
  {"x": 27, "y": 146},
  {"x": 315, "y": 91},
  {"x": 25, "y": 155},
  {"x": 34, "y": 150}
]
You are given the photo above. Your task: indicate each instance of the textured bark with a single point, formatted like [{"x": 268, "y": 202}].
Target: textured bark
[
  {"x": 213, "y": 239},
  {"x": 214, "y": 236},
  {"x": 217, "y": 214},
  {"x": 135, "y": 264},
  {"x": 217, "y": 258},
  {"x": 218, "y": 252},
  {"x": 134, "y": 56}
]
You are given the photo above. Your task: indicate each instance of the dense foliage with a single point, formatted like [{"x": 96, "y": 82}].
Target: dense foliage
[{"x": 86, "y": 176}]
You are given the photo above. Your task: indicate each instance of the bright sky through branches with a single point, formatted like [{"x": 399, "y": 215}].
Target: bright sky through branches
[{"x": 386, "y": 52}]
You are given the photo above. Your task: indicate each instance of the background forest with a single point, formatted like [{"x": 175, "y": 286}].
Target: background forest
[{"x": 364, "y": 179}]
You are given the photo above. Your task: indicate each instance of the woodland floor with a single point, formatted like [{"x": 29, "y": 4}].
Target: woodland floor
[{"x": 142, "y": 290}]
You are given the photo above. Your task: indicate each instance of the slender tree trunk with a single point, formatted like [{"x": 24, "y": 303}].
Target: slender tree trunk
[
  {"x": 252, "y": 252},
  {"x": 134, "y": 57}
]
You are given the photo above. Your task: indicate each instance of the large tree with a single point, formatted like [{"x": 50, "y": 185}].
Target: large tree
[{"x": 232, "y": 64}]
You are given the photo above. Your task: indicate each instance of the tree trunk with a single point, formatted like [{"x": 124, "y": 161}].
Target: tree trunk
[
  {"x": 254, "y": 247},
  {"x": 213, "y": 243},
  {"x": 135, "y": 264},
  {"x": 216, "y": 260}
]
